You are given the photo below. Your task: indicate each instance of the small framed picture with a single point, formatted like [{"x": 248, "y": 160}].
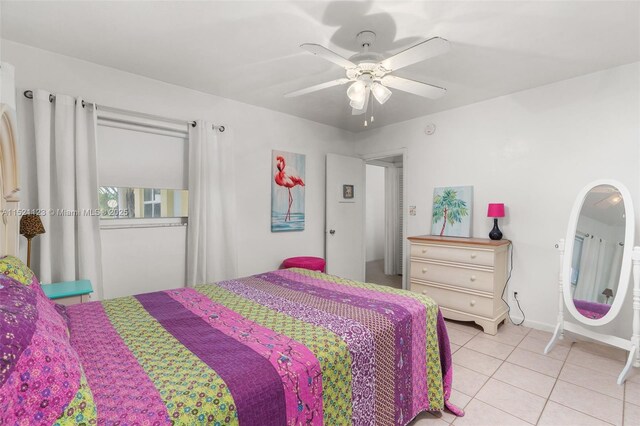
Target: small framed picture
[{"x": 347, "y": 192}]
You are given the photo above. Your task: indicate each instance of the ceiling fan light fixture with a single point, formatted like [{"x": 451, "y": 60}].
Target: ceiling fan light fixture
[
  {"x": 357, "y": 92},
  {"x": 357, "y": 104},
  {"x": 380, "y": 92}
]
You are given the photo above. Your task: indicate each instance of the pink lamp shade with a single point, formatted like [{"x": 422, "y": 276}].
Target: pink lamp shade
[{"x": 495, "y": 210}]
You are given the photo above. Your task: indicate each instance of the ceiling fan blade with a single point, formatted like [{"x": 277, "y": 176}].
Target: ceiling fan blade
[
  {"x": 317, "y": 87},
  {"x": 415, "y": 87},
  {"x": 327, "y": 54},
  {"x": 427, "y": 49}
]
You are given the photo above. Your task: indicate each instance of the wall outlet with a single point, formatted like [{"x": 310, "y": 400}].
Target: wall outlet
[{"x": 513, "y": 295}]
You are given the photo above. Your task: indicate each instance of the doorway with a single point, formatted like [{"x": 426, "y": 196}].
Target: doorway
[{"x": 384, "y": 230}]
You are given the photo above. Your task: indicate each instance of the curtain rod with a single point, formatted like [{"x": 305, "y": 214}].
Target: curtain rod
[{"x": 29, "y": 95}]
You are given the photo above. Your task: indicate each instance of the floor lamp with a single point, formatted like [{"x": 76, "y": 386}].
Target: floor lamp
[{"x": 30, "y": 226}]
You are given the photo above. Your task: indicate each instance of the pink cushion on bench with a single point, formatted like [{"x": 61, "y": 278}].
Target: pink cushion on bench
[{"x": 305, "y": 262}]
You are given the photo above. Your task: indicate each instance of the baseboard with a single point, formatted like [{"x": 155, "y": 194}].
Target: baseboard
[{"x": 534, "y": 324}]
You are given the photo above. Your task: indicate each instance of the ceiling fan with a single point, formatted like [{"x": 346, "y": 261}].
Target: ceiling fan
[{"x": 369, "y": 73}]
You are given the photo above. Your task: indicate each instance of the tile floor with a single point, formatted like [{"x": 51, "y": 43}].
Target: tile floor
[{"x": 507, "y": 380}]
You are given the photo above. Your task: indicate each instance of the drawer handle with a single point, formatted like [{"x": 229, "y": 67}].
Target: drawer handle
[
  {"x": 473, "y": 255},
  {"x": 424, "y": 251},
  {"x": 472, "y": 303},
  {"x": 424, "y": 291},
  {"x": 424, "y": 270},
  {"x": 473, "y": 278}
]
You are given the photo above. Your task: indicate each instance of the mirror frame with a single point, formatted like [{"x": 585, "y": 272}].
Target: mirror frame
[{"x": 625, "y": 267}]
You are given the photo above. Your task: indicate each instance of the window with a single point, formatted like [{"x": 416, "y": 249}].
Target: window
[
  {"x": 152, "y": 202},
  {"x": 142, "y": 170},
  {"x": 131, "y": 203}
]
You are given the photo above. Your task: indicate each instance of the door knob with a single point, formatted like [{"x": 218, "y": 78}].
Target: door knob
[{"x": 332, "y": 231}]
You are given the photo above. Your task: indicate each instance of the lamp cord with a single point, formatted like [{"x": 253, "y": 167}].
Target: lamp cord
[{"x": 505, "y": 289}]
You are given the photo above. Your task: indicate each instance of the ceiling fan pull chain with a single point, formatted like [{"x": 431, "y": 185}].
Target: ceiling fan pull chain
[
  {"x": 372, "y": 104},
  {"x": 366, "y": 107}
]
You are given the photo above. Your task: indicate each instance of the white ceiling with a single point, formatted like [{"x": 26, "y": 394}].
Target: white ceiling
[
  {"x": 598, "y": 205},
  {"x": 248, "y": 51}
]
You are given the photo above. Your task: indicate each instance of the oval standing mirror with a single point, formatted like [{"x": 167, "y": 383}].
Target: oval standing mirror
[{"x": 597, "y": 262}]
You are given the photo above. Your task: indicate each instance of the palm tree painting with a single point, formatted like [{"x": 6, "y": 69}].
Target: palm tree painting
[{"x": 452, "y": 211}]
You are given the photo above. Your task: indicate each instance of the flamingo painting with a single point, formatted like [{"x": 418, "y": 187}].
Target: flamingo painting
[{"x": 287, "y": 207}]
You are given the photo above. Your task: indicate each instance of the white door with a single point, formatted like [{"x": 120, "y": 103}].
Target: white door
[{"x": 345, "y": 217}]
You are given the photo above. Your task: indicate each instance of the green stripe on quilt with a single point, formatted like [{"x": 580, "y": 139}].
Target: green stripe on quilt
[
  {"x": 434, "y": 369},
  {"x": 180, "y": 376},
  {"x": 330, "y": 350},
  {"x": 81, "y": 410}
]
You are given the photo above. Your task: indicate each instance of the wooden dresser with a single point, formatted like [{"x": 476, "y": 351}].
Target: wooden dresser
[{"x": 465, "y": 276}]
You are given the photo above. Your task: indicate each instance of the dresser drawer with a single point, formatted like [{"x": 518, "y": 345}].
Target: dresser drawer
[
  {"x": 453, "y": 254},
  {"x": 473, "y": 279},
  {"x": 464, "y": 302}
]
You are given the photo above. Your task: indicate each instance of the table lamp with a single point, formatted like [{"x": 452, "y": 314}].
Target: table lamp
[
  {"x": 495, "y": 211},
  {"x": 30, "y": 226}
]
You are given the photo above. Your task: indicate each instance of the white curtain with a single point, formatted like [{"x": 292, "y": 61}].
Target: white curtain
[
  {"x": 587, "y": 285},
  {"x": 392, "y": 221},
  {"x": 67, "y": 187},
  {"x": 616, "y": 262},
  {"x": 211, "y": 240},
  {"x": 599, "y": 268}
]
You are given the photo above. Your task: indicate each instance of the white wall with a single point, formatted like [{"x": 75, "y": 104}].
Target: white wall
[
  {"x": 375, "y": 212},
  {"x": 141, "y": 260},
  {"x": 533, "y": 150},
  {"x": 255, "y": 132}
]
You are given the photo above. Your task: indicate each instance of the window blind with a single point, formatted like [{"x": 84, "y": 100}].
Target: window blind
[{"x": 130, "y": 156}]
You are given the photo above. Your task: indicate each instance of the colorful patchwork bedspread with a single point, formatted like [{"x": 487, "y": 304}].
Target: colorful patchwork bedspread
[{"x": 289, "y": 347}]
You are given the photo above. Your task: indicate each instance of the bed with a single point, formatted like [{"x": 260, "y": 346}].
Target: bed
[
  {"x": 285, "y": 347},
  {"x": 593, "y": 310}
]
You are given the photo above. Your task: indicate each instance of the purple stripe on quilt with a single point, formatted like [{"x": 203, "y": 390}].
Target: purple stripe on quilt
[
  {"x": 446, "y": 364},
  {"x": 298, "y": 367},
  {"x": 123, "y": 392},
  {"x": 418, "y": 313},
  {"x": 398, "y": 315},
  {"x": 358, "y": 338},
  {"x": 17, "y": 322},
  {"x": 255, "y": 385}
]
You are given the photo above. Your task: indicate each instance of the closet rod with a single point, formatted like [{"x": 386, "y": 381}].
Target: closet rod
[{"x": 29, "y": 95}]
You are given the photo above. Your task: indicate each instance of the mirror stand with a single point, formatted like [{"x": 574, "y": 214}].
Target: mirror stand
[{"x": 631, "y": 345}]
